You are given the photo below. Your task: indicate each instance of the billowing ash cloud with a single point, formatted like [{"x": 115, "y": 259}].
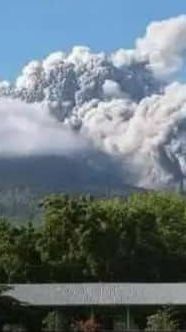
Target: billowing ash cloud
[
  {"x": 164, "y": 45},
  {"x": 30, "y": 130},
  {"x": 118, "y": 104}
]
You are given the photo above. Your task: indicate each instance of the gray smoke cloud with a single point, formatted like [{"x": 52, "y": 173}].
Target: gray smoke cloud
[
  {"x": 30, "y": 130},
  {"x": 163, "y": 47},
  {"x": 126, "y": 104}
]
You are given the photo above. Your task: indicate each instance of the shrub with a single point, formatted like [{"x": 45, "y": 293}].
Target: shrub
[{"x": 162, "y": 321}]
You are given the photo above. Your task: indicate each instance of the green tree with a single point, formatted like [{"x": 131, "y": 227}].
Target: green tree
[
  {"x": 18, "y": 252},
  {"x": 163, "y": 321},
  {"x": 139, "y": 239},
  {"x": 55, "y": 322},
  {"x": 82, "y": 238}
]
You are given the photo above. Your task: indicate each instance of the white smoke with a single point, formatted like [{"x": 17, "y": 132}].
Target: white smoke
[
  {"x": 112, "y": 89},
  {"x": 27, "y": 130},
  {"x": 149, "y": 135},
  {"x": 164, "y": 45},
  {"x": 118, "y": 102}
]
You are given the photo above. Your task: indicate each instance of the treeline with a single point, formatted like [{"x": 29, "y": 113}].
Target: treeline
[
  {"x": 20, "y": 203},
  {"x": 142, "y": 238}
]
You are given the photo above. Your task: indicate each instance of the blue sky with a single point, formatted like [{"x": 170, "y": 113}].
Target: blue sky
[{"x": 31, "y": 29}]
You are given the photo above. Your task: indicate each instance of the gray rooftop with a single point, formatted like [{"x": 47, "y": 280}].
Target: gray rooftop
[{"x": 100, "y": 294}]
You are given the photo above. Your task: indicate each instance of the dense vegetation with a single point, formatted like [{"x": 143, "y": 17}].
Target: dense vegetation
[
  {"x": 142, "y": 238},
  {"x": 163, "y": 320}
]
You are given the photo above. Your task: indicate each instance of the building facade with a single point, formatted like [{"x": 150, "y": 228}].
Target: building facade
[{"x": 122, "y": 302}]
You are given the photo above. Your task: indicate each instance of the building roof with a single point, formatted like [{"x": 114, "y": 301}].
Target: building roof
[{"x": 89, "y": 294}]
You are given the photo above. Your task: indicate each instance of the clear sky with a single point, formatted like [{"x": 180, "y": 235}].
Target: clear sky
[{"x": 31, "y": 29}]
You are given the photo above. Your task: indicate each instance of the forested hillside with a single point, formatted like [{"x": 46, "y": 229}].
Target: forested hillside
[{"x": 25, "y": 181}]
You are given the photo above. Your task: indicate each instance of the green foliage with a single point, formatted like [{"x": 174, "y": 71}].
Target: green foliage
[
  {"x": 163, "y": 321},
  {"x": 18, "y": 252},
  {"x": 54, "y": 321},
  {"x": 136, "y": 239},
  {"x": 49, "y": 322},
  {"x": 141, "y": 238}
]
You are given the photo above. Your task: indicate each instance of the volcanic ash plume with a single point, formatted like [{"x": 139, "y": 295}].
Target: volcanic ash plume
[{"x": 126, "y": 104}]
